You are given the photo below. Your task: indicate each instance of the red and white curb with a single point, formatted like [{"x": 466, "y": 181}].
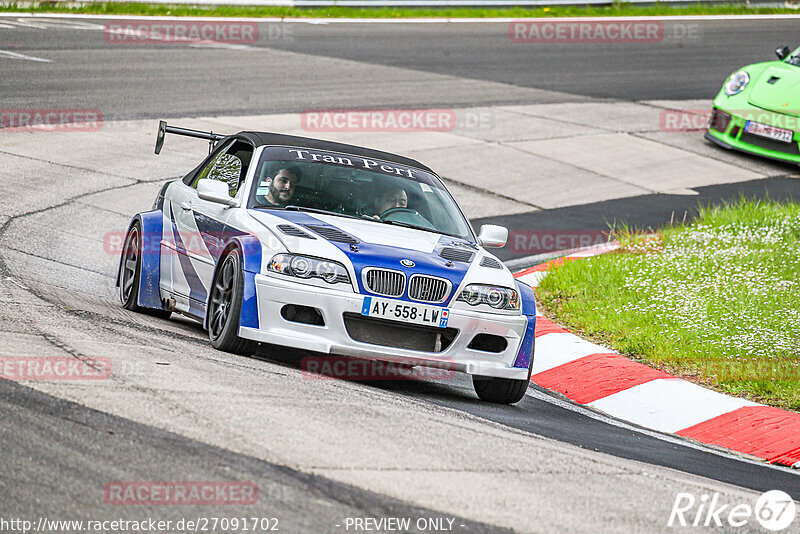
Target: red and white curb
[{"x": 599, "y": 378}]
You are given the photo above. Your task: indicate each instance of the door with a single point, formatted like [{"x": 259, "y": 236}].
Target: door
[{"x": 201, "y": 229}]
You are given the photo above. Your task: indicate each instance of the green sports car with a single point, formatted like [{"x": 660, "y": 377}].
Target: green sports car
[{"x": 758, "y": 109}]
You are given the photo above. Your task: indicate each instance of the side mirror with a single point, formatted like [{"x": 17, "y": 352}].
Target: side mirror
[
  {"x": 783, "y": 52},
  {"x": 215, "y": 191},
  {"x": 493, "y": 236}
]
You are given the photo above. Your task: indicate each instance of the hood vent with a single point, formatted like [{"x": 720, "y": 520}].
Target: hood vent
[
  {"x": 332, "y": 234},
  {"x": 455, "y": 254},
  {"x": 490, "y": 262},
  {"x": 294, "y": 231},
  {"x": 773, "y": 79}
]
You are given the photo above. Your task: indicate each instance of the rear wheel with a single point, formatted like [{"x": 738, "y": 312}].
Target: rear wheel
[
  {"x": 131, "y": 272},
  {"x": 225, "y": 307}
]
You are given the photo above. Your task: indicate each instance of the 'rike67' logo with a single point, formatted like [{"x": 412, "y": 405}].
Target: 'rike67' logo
[{"x": 774, "y": 510}]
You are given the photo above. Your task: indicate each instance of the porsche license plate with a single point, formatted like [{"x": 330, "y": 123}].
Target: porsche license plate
[
  {"x": 407, "y": 312},
  {"x": 770, "y": 132}
]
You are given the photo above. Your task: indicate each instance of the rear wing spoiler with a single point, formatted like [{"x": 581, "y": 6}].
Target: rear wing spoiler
[{"x": 163, "y": 130}]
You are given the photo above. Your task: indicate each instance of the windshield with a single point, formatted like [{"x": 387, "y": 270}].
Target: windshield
[
  {"x": 354, "y": 186},
  {"x": 794, "y": 58}
]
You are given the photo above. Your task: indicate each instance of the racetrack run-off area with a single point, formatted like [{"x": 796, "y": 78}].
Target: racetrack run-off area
[{"x": 602, "y": 379}]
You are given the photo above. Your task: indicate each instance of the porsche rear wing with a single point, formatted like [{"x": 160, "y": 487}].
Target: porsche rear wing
[{"x": 163, "y": 130}]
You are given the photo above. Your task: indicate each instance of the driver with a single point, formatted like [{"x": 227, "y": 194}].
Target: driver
[
  {"x": 281, "y": 187},
  {"x": 391, "y": 198}
]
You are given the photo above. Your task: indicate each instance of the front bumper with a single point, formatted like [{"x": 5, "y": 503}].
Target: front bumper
[
  {"x": 731, "y": 135},
  {"x": 274, "y": 293}
]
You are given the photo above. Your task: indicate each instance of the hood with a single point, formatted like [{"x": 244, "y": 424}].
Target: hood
[
  {"x": 783, "y": 94},
  {"x": 371, "y": 244}
]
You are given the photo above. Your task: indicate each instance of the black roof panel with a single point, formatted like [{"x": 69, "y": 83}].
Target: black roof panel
[{"x": 275, "y": 139}]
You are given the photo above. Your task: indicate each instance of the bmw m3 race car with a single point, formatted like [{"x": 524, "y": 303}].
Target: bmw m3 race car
[
  {"x": 330, "y": 248},
  {"x": 758, "y": 109}
]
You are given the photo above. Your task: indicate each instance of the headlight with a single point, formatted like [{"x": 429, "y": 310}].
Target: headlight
[
  {"x": 307, "y": 267},
  {"x": 301, "y": 267},
  {"x": 331, "y": 271},
  {"x": 736, "y": 83},
  {"x": 500, "y": 298}
]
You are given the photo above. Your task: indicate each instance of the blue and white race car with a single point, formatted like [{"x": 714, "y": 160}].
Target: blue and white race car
[{"x": 330, "y": 248}]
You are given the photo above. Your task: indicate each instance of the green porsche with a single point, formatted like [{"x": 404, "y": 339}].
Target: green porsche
[{"x": 758, "y": 109}]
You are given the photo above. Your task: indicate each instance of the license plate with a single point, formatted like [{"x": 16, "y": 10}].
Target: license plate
[
  {"x": 770, "y": 132},
  {"x": 407, "y": 312}
]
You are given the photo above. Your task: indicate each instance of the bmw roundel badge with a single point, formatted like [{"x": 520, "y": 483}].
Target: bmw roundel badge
[{"x": 407, "y": 263}]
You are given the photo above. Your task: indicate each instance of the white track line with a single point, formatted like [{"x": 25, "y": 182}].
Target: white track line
[
  {"x": 14, "y": 55},
  {"x": 432, "y": 20}
]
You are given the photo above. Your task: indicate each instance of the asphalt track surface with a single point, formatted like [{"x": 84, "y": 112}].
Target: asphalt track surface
[
  {"x": 158, "y": 80},
  {"x": 84, "y": 449},
  {"x": 44, "y": 436}
]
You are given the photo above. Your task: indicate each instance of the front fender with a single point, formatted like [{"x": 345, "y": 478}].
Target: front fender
[
  {"x": 526, "y": 348},
  {"x": 250, "y": 248}
]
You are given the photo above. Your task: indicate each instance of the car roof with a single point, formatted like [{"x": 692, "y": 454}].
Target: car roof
[{"x": 276, "y": 139}]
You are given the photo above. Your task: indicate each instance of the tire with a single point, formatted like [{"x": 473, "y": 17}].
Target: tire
[
  {"x": 225, "y": 306},
  {"x": 130, "y": 271},
  {"x": 502, "y": 390},
  {"x": 499, "y": 390}
]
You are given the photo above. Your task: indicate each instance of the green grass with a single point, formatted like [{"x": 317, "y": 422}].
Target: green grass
[
  {"x": 716, "y": 301},
  {"x": 616, "y": 9}
]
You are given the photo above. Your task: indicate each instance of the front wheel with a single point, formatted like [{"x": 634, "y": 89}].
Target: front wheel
[
  {"x": 499, "y": 390},
  {"x": 225, "y": 307},
  {"x": 503, "y": 390}
]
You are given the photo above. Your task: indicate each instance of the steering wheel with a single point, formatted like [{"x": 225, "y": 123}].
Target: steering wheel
[
  {"x": 408, "y": 216},
  {"x": 392, "y": 211}
]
